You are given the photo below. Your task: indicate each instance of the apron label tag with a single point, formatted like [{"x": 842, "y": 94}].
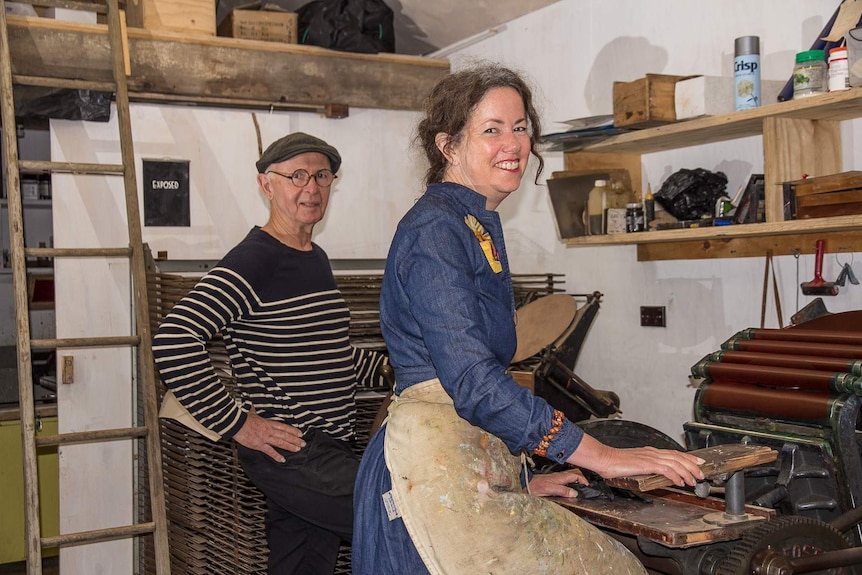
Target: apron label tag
[{"x": 391, "y": 507}]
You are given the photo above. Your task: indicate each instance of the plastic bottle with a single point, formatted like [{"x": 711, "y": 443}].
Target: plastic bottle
[
  {"x": 809, "y": 74},
  {"x": 595, "y": 208},
  {"x": 746, "y": 72},
  {"x": 839, "y": 70}
]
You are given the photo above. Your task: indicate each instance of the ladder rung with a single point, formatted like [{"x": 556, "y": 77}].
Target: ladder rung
[
  {"x": 78, "y": 252},
  {"x": 98, "y": 535},
  {"x": 69, "y": 83},
  {"x": 112, "y": 341},
  {"x": 92, "y": 436},
  {"x": 71, "y": 167}
]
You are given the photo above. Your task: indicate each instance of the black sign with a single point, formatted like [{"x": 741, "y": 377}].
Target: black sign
[{"x": 166, "y": 193}]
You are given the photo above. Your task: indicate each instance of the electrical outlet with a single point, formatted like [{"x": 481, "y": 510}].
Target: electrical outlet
[{"x": 653, "y": 316}]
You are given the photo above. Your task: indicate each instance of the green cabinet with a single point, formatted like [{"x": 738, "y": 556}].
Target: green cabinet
[{"x": 12, "y": 488}]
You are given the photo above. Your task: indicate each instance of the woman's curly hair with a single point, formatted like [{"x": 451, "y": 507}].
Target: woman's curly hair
[{"x": 451, "y": 103}]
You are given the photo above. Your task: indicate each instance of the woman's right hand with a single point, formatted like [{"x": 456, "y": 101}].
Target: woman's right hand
[{"x": 609, "y": 462}]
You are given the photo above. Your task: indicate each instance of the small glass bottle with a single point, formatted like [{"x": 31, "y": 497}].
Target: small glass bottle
[
  {"x": 809, "y": 74},
  {"x": 634, "y": 218},
  {"x": 839, "y": 71},
  {"x": 596, "y": 205}
]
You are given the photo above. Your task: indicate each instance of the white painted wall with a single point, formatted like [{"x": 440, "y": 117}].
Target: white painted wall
[{"x": 573, "y": 50}]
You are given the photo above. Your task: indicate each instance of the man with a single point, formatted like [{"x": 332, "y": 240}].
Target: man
[{"x": 285, "y": 325}]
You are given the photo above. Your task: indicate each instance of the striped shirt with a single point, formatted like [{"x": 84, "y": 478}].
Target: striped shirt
[{"x": 285, "y": 327}]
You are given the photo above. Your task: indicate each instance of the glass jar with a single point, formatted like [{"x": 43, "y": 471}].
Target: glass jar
[
  {"x": 809, "y": 74},
  {"x": 634, "y": 218}
]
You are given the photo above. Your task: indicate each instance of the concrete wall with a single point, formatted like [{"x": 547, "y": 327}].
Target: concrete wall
[{"x": 573, "y": 50}]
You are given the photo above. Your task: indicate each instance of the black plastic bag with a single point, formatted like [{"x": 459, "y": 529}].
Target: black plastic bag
[
  {"x": 365, "y": 26},
  {"x": 692, "y": 194},
  {"x": 64, "y": 104}
]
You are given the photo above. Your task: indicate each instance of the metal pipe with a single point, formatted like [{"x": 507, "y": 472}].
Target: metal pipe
[{"x": 734, "y": 496}]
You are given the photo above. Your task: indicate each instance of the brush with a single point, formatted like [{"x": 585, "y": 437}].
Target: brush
[{"x": 818, "y": 286}]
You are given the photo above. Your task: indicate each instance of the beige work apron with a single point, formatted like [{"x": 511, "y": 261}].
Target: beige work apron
[{"x": 458, "y": 491}]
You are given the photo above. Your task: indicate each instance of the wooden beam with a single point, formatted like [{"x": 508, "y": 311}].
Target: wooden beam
[{"x": 177, "y": 67}]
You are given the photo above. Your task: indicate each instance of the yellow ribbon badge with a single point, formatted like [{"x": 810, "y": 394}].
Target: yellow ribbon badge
[{"x": 485, "y": 242}]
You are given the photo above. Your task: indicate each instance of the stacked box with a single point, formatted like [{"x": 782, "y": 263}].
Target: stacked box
[
  {"x": 824, "y": 196},
  {"x": 185, "y": 16},
  {"x": 266, "y": 25},
  {"x": 646, "y": 102}
]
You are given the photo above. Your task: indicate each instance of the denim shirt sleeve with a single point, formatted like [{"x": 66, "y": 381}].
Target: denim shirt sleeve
[{"x": 446, "y": 314}]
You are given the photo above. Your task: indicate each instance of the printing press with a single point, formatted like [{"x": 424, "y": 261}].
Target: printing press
[{"x": 776, "y": 417}]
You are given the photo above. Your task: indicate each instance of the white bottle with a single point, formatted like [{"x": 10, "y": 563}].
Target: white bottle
[
  {"x": 839, "y": 71},
  {"x": 596, "y": 204}
]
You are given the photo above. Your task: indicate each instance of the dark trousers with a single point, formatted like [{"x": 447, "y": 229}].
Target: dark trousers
[{"x": 309, "y": 501}]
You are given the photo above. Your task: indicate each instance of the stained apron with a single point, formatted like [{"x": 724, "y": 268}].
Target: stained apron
[{"x": 458, "y": 491}]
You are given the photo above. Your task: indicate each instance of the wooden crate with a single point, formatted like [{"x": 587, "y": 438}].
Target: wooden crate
[
  {"x": 266, "y": 25},
  {"x": 646, "y": 102},
  {"x": 825, "y": 196},
  {"x": 186, "y": 16}
]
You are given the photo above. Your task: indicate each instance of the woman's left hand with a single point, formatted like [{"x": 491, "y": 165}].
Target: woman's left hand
[{"x": 557, "y": 484}]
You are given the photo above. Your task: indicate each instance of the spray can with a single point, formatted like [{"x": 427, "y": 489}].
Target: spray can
[{"x": 746, "y": 72}]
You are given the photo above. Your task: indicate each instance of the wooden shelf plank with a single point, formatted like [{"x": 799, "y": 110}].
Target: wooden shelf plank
[
  {"x": 756, "y": 246},
  {"x": 187, "y": 68},
  {"x": 836, "y": 106},
  {"x": 822, "y": 225}
]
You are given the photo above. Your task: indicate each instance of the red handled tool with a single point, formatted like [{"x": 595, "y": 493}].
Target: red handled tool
[{"x": 818, "y": 286}]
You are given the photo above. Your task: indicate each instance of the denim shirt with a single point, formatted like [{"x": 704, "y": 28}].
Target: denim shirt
[{"x": 445, "y": 313}]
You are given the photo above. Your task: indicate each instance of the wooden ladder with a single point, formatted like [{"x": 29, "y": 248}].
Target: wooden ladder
[{"x": 140, "y": 340}]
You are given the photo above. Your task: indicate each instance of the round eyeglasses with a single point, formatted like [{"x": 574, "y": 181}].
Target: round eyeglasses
[{"x": 300, "y": 178}]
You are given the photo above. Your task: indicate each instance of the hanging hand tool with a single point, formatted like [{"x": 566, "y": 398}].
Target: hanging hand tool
[
  {"x": 845, "y": 275},
  {"x": 819, "y": 286}
]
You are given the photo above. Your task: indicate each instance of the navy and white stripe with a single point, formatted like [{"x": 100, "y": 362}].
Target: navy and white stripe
[{"x": 285, "y": 327}]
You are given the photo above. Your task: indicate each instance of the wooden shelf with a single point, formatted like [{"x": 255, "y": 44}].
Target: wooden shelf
[
  {"x": 801, "y": 136},
  {"x": 180, "y": 68},
  {"x": 835, "y": 106},
  {"x": 814, "y": 225}
]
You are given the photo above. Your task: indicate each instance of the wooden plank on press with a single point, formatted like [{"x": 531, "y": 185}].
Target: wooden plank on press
[{"x": 719, "y": 459}]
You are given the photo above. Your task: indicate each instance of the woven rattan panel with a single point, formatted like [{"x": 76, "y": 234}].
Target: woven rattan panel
[{"x": 215, "y": 514}]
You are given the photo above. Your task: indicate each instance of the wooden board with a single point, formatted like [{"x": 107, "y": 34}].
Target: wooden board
[
  {"x": 224, "y": 71},
  {"x": 671, "y": 517},
  {"x": 757, "y": 246},
  {"x": 718, "y": 460}
]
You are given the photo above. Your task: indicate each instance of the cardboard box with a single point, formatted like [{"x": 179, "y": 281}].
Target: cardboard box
[
  {"x": 646, "y": 102},
  {"x": 270, "y": 24},
  {"x": 185, "y": 16},
  {"x": 713, "y": 95}
]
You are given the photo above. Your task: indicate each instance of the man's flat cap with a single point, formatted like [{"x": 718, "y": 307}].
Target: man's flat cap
[{"x": 294, "y": 144}]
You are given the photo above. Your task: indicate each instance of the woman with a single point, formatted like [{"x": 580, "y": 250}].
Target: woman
[{"x": 439, "y": 490}]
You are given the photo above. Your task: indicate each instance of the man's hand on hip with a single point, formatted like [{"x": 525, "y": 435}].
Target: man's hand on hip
[{"x": 265, "y": 435}]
